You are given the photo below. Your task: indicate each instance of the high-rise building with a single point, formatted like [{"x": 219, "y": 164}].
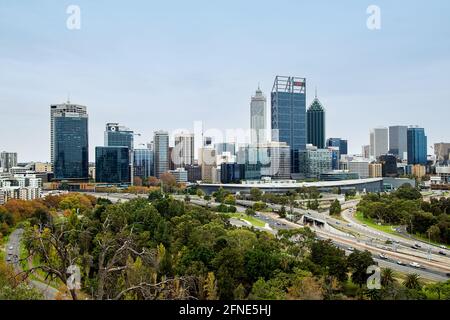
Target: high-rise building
[
  {"x": 112, "y": 165},
  {"x": 119, "y": 136},
  {"x": 249, "y": 156},
  {"x": 316, "y": 124},
  {"x": 275, "y": 159},
  {"x": 207, "y": 161},
  {"x": 398, "y": 141},
  {"x": 379, "y": 138},
  {"x": 389, "y": 165},
  {"x": 417, "y": 145},
  {"x": 288, "y": 101},
  {"x": 315, "y": 161},
  {"x": 8, "y": 160},
  {"x": 339, "y": 143},
  {"x": 183, "y": 153},
  {"x": 180, "y": 174},
  {"x": 258, "y": 117},
  {"x": 232, "y": 172},
  {"x": 356, "y": 165},
  {"x": 442, "y": 151},
  {"x": 335, "y": 157},
  {"x": 69, "y": 144},
  {"x": 143, "y": 163},
  {"x": 375, "y": 170},
  {"x": 194, "y": 173},
  {"x": 161, "y": 152}
]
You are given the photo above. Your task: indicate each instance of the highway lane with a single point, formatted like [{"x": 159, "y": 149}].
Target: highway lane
[
  {"x": 278, "y": 223},
  {"x": 13, "y": 252},
  {"x": 376, "y": 238}
]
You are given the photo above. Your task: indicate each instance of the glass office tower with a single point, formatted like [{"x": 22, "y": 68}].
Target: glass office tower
[
  {"x": 118, "y": 136},
  {"x": 288, "y": 110},
  {"x": 112, "y": 165},
  {"x": 143, "y": 163},
  {"x": 398, "y": 141},
  {"x": 161, "y": 152},
  {"x": 316, "y": 124},
  {"x": 69, "y": 142},
  {"x": 417, "y": 146}
]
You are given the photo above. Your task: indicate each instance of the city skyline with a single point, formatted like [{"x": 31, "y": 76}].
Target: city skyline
[{"x": 123, "y": 76}]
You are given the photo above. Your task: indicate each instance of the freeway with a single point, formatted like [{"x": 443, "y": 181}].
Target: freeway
[
  {"x": 435, "y": 268},
  {"x": 376, "y": 238},
  {"x": 13, "y": 254}
]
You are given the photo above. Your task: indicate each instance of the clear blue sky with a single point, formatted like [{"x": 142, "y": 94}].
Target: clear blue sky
[{"x": 165, "y": 64}]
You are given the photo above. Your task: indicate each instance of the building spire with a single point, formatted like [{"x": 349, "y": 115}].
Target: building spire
[
  {"x": 316, "y": 92},
  {"x": 68, "y": 97}
]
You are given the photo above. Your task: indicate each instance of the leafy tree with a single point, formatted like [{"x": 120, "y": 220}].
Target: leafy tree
[
  {"x": 412, "y": 281},
  {"x": 256, "y": 194},
  {"x": 330, "y": 259},
  {"x": 335, "y": 208},
  {"x": 387, "y": 277},
  {"x": 358, "y": 262}
]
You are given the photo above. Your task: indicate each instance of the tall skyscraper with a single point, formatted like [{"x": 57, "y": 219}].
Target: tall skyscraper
[
  {"x": 339, "y": 143},
  {"x": 183, "y": 153},
  {"x": 258, "y": 117},
  {"x": 398, "y": 141},
  {"x": 316, "y": 124},
  {"x": 379, "y": 138},
  {"x": 69, "y": 141},
  {"x": 8, "y": 160},
  {"x": 161, "y": 152},
  {"x": 417, "y": 145},
  {"x": 112, "y": 165},
  {"x": 288, "y": 100}
]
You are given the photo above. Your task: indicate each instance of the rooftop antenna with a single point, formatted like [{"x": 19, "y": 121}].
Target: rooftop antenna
[
  {"x": 68, "y": 97},
  {"x": 316, "y": 92}
]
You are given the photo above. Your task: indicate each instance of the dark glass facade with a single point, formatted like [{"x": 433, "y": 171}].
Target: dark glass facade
[
  {"x": 417, "y": 146},
  {"x": 143, "y": 163},
  {"x": 118, "y": 136},
  {"x": 232, "y": 172},
  {"x": 112, "y": 165},
  {"x": 288, "y": 110},
  {"x": 71, "y": 147},
  {"x": 389, "y": 165},
  {"x": 316, "y": 124}
]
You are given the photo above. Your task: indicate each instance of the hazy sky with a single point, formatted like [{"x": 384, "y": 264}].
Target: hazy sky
[{"x": 165, "y": 64}]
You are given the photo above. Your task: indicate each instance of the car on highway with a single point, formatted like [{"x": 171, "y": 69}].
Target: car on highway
[
  {"x": 414, "y": 265},
  {"x": 417, "y": 245},
  {"x": 349, "y": 225},
  {"x": 11, "y": 248},
  {"x": 351, "y": 249},
  {"x": 443, "y": 247},
  {"x": 442, "y": 253},
  {"x": 400, "y": 263},
  {"x": 382, "y": 256},
  {"x": 337, "y": 222},
  {"x": 8, "y": 258}
]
